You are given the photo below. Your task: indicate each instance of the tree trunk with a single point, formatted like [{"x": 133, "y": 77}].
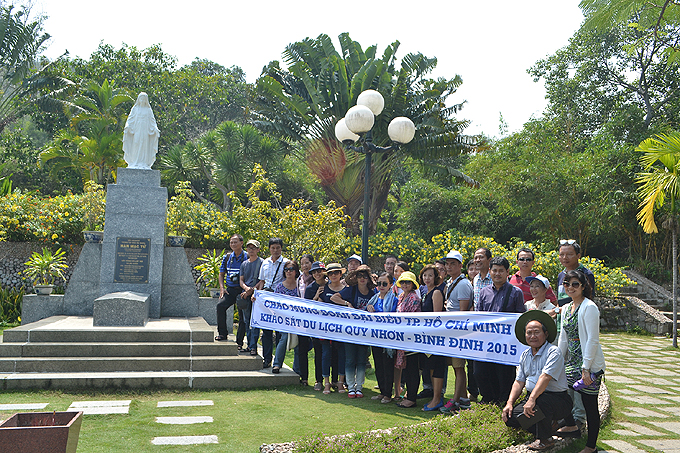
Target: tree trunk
[{"x": 675, "y": 286}]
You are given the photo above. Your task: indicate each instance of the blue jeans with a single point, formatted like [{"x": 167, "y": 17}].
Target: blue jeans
[
  {"x": 281, "y": 350},
  {"x": 251, "y": 339},
  {"x": 355, "y": 365},
  {"x": 327, "y": 350},
  {"x": 267, "y": 342}
]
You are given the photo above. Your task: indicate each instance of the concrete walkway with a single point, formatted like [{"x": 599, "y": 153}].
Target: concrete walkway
[{"x": 644, "y": 382}]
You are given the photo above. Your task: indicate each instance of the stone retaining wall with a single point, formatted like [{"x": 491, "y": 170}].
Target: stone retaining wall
[{"x": 622, "y": 313}]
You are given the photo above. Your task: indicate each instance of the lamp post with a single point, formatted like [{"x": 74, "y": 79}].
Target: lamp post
[{"x": 356, "y": 126}]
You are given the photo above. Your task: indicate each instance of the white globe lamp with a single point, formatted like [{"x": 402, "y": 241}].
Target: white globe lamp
[
  {"x": 343, "y": 134},
  {"x": 373, "y": 100},
  {"x": 359, "y": 119},
  {"x": 401, "y": 130}
]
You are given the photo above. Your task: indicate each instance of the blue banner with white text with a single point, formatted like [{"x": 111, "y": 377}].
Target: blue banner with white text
[{"x": 484, "y": 336}]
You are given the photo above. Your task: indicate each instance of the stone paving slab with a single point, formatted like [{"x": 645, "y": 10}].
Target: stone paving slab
[
  {"x": 643, "y": 399},
  {"x": 623, "y": 447},
  {"x": 665, "y": 372},
  {"x": 673, "y": 398},
  {"x": 659, "y": 381},
  {"x": 622, "y": 380},
  {"x": 650, "y": 389},
  {"x": 183, "y": 420},
  {"x": 102, "y": 407},
  {"x": 77, "y": 404},
  {"x": 665, "y": 445},
  {"x": 185, "y": 403},
  {"x": 23, "y": 407},
  {"x": 625, "y": 432},
  {"x": 103, "y": 410},
  {"x": 640, "y": 429},
  {"x": 642, "y": 412},
  {"x": 628, "y": 392},
  {"x": 184, "y": 440},
  {"x": 673, "y": 427},
  {"x": 629, "y": 371}
]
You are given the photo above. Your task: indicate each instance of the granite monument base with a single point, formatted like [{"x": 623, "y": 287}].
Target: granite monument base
[{"x": 121, "y": 309}]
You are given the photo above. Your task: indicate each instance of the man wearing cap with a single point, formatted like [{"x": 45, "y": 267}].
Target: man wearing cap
[
  {"x": 231, "y": 265},
  {"x": 541, "y": 370},
  {"x": 494, "y": 380},
  {"x": 458, "y": 293},
  {"x": 353, "y": 262},
  {"x": 249, "y": 276},
  {"x": 525, "y": 262}
]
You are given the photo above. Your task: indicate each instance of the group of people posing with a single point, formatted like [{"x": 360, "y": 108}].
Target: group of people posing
[{"x": 562, "y": 380}]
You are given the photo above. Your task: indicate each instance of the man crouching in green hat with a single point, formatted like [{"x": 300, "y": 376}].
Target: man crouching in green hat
[{"x": 541, "y": 370}]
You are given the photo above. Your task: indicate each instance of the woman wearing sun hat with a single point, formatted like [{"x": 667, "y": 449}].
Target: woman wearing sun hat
[
  {"x": 539, "y": 286},
  {"x": 409, "y": 302},
  {"x": 333, "y": 352},
  {"x": 357, "y": 295}
]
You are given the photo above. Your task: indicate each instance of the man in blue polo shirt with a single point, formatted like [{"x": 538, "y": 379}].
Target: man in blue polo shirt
[{"x": 230, "y": 286}]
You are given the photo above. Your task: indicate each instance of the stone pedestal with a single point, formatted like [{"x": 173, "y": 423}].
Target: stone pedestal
[
  {"x": 83, "y": 286},
  {"x": 135, "y": 209},
  {"x": 34, "y": 307},
  {"x": 121, "y": 309},
  {"x": 179, "y": 295}
]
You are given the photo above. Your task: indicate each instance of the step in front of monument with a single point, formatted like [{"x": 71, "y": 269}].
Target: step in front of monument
[
  {"x": 112, "y": 364},
  {"x": 67, "y": 352},
  {"x": 150, "y": 379},
  {"x": 118, "y": 349},
  {"x": 80, "y": 329}
]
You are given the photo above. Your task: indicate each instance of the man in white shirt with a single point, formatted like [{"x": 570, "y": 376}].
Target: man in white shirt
[{"x": 271, "y": 274}]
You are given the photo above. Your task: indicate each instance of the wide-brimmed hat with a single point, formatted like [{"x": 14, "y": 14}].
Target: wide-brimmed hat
[
  {"x": 334, "y": 267},
  {"x": 355, "y": 257},
  {"x": 318, "y": 265},
  {"x": 408, "y": 276},
  {"x": 535, "y": 315},
  {"x": 351, "y": 277},
  {"x": 540, "y": 278}
]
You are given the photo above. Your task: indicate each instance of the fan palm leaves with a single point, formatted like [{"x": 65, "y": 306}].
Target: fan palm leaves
[
  {"x": 23, "y": 80},
  {"x": 321, "y": 83}
]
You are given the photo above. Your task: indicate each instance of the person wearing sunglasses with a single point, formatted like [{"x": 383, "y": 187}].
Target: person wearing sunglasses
[
  {"x": 289, "y": 287},
  {"x": 525, "y": 262},
  {"x": 407, "y": 362},
  {"x": 333, "y": 352},
  {"x": 357, "y": 295},
  {"x": 579, "y": 342},
  {"x": 383, "y": 358},
  {"x": 569, "y": 254},
  {"x": 313, "y": 292}
]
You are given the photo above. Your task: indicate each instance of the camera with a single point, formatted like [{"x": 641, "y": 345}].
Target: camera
[{"x": 234, "y": 278}]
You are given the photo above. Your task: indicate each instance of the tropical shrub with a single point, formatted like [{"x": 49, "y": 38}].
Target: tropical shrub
[{"x": 10, "y": 306}]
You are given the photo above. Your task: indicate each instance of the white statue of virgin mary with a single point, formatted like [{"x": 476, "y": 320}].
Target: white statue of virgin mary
[{"x": 140, "y": 138}]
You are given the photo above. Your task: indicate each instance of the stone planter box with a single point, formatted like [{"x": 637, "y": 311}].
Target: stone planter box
[{"x": 41, "y": 432}]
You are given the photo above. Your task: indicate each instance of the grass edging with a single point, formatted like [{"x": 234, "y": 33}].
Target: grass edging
[{"x": 415, "y": 437}]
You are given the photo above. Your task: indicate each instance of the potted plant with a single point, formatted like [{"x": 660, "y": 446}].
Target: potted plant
[
  {"x": 93, "y": 202},
  {"x": 179, "y": 215},
  {"x": 210, "y": 271},
  {"x": 44, "y": 268}
]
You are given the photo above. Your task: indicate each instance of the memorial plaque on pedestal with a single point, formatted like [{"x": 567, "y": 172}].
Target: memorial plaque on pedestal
[{"x": 132, "y": 260}]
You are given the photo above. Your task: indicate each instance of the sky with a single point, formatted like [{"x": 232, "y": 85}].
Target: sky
[{"x": 489, "y": 44}]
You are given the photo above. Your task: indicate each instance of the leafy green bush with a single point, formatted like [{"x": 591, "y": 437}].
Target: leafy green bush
[
  {"x": 10, "y": 306},
  {"x": 477, "y": 430}
]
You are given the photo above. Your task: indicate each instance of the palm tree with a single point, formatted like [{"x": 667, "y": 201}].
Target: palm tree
[
  {"x": 93, "y": 144},
  {"x": 659, "y": 181},
  {"x": 304, "y": 102},
  {"x": 23, "y": 80},
  {"x": 223, "y": 157}
]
